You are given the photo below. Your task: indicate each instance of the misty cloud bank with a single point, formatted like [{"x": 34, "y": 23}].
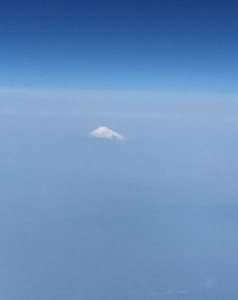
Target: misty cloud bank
[{"x": 152, "y": 218}]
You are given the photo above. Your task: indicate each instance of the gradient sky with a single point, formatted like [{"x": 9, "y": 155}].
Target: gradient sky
[
  {"x": 160, "y": 45},
  {"x": 153, "y": 218}
]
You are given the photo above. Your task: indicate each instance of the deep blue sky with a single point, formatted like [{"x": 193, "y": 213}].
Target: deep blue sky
[{"x": 156, "y": 45}]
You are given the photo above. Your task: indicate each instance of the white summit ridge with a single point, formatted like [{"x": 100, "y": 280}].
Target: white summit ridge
[{"x": 106, "y": 133}]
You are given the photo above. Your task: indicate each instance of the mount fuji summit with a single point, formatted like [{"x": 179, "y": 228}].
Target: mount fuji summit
[{"x": 106, "y": 133}]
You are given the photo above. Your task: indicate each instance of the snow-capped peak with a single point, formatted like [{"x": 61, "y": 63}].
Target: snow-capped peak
[{"x": 104, "y": 132}]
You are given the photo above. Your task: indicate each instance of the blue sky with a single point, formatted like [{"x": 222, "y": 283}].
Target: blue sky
[
  {"x": 180, "y": 46},
  {"x": 152, "y": 218}
]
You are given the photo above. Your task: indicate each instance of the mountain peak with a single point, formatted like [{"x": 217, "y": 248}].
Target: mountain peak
[{"x": 105, "y": 132}]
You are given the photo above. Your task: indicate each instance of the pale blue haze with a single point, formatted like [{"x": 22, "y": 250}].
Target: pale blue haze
[{"x": 152, "y": 218}]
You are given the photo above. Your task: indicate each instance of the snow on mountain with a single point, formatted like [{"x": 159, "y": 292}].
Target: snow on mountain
[{"x": 104, "y": 132}]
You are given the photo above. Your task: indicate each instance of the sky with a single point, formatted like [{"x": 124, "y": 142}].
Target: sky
[
  {"x": 153, "y": 45},
  {"x": 154, "y": 217}
]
